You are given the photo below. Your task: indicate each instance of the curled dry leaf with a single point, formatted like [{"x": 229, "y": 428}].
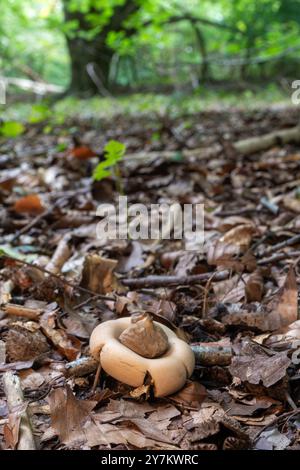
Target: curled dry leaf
[
  {"x": 98, "y": 274},
  {"x": 240, "y": 236},
  {"x": 222, "y": 254},
  {"x": 192, "y": 395},
  {"x": 254, "y": 288},
  {"x": 66, "y": 344},
  {"x": 254, "y": 365},
  {"x": 30, "y": 204},
  {"x": 284, "y": 308},
  {"x": 82, "y": 152},
  {"x": 60, "y": 255},
  {"x": 230, "y": 290}
]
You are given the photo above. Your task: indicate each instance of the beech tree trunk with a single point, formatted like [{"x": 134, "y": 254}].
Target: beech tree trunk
[{"x": 96, "y": 51}]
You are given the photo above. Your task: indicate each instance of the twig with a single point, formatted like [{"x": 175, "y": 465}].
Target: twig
[
  {"x": 20, "y": 311},
  {"x": 96, "y": 380},
  {"x": 165, "y": 281},
  {"x": 290, "y": 241},
  {"x": 278, "y": 257},
  {"x": 81, "y": 367},
  {"x": 207, "y": 354},
  {"x": 59, "y": 277},
  {"x": 15, "y": 399},
  {"x": 269, "y": 205},
  {"x": 31, "y": 224}
]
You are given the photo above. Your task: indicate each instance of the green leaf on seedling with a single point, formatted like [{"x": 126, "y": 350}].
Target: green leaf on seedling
[
  {"x": 12, "y": 129},
  {"x": 61, "y": 147},
  {"x": 39, "y": 113},
  {"x": 113, "y": 153}
]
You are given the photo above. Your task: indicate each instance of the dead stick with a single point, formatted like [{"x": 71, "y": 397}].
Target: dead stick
[
  {"x": 21, "y": 311},
  {"x": 278, "y": 257},
  {"x": 32, "y": 224},
  {"x": 166, "y": 281},
  {"x": 243, "y": 147},
  {"x": 15, "y": 400},
  {"x": 211, "y": 354},
  {"x": 279, "y": 246},
  {"x": 57, "y": 276}
]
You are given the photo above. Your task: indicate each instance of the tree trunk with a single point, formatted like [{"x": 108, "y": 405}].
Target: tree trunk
[
  {"x": 95, "y": 52},
  {"x": 82, "y": 53}
]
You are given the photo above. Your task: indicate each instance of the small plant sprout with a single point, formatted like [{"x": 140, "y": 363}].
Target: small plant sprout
[{"x": 114, "y": 151}]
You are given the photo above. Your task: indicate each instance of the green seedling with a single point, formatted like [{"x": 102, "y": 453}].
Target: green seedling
[
  {"x": 114, "y": 151},
  {"x": 11, "y": 129}
]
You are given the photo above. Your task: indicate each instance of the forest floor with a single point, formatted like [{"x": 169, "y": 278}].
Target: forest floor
[{"x": 240, "y": 314}]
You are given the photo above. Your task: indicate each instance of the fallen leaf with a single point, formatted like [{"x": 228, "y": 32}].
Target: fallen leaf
[
  {"x": 284, "y": 308},
  {"x": 254, "y": 288},
  {"x": 30, "y": 204},
  {"x": 67, "y": 413},
  {"x": 240, "y": 236},
  {"x": 192, "y": 395},
  {"x": 255, "y": 366},
  {"x": 66, "y": 344},
  {"x": 98, "y": 274}
]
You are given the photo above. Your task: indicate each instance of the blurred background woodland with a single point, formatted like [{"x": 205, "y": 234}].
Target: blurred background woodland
[{"x": 157, "y": 47}]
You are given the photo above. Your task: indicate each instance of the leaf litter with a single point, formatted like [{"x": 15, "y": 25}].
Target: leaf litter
[{"x": 57, "y": 281}]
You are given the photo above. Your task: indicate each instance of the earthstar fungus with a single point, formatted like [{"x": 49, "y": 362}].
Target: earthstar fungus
[{"x": 128, "y": 348}]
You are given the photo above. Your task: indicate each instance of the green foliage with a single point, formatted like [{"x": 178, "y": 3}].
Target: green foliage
[
  {"x": 11, "y": 129},
  {"x": 39, "y": 113},
  {"x": 113, "y": 153}
]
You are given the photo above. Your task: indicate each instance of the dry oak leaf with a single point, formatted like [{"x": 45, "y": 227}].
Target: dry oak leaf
[
  {"x": 82, "y": 152},
  {"x": 192, "y": 395},
  {"x": 30, "y": 204},
  {"x": 254, "y": 365},
  {"x": 68, "y": 413},
  {"x": 285, "y": 305},
  {"x": 254, "y": 288},
  {"x": 240, "y": 236},
  {"x": 66, "y": 344},
  {"x": 98, "y": 274}
]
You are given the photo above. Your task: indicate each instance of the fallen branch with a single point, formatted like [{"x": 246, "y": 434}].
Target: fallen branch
[
  {"x": 82, "y": 366},
  {"x": 212, "y": 354},
  {"x": 167, "y": 281},
  {"x": 15, "y": 400},
  {"x": 243, "y": 147}
]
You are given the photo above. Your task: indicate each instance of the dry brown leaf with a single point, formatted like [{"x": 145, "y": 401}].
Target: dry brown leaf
[
  {"x": 98, "y": 274},
  {"x": 284, "y": 308},
  {"x": 66, "y": 344},
  {"x": 192, "y": 395},
  {"x": 12, "y": 428},
  {"x": 240, "y": 236},
  {"x": 231, "y": 290},
  {"x": 30, "y": 204},
  {"x": 222, "y": 254},
  {"x": 25, "y": 341},
  {"x": 255, "y": 366},
  {"x": 67, "y": 413},
  {"x": 230, "y": 222},
  {"x": 254, "y": 288},
  {"x": 292, "y": 204}
]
